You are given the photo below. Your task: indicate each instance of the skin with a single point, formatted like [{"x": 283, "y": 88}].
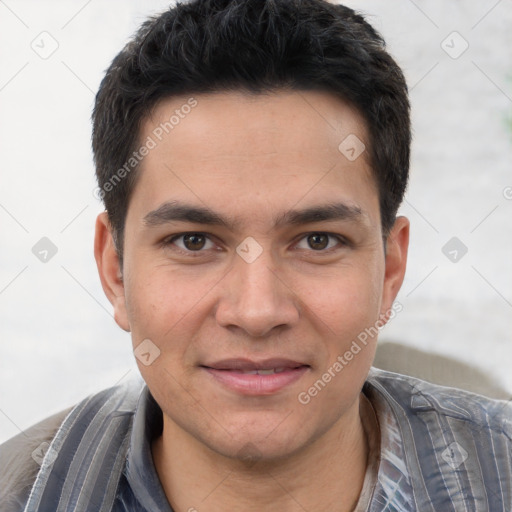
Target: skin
[{"x": 251, "y": 158}]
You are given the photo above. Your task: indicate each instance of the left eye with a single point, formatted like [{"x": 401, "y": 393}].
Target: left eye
[
  {"x": 192, "y": 242},
  {"x": 319, "y": 241}
]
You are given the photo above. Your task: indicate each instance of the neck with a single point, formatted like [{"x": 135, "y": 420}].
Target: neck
[{"x": 326, "y": 475}]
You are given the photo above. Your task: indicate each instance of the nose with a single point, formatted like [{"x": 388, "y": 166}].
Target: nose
[{"x": 256, "y": 298}]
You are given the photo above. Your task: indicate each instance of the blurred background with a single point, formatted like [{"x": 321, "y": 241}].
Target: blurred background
[{"x": 58, "y": 340}]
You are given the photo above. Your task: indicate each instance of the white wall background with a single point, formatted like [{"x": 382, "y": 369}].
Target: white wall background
[{"x": 58, "y": 340}]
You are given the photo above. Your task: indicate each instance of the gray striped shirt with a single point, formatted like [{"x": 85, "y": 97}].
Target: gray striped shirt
[{"x": 440, "y": 449}]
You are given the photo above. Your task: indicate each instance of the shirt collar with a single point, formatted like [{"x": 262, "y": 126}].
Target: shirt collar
[
  {"x": 140, "y": 469},
  {"x": 393, "y": 487}
]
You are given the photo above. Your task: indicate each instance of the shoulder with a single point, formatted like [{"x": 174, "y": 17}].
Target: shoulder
[
  {"x": 416, "y": 396},
  {"x": 21, "y": 458},
  {"x": 456, "y": 445}
]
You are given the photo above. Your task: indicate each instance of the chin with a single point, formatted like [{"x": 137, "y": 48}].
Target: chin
[
  {"x": 250, "y": 452},
  {"x": 257, "y": 442}
]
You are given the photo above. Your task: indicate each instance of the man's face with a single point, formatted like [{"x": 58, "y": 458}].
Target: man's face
[{"x": 253, "y": 243}]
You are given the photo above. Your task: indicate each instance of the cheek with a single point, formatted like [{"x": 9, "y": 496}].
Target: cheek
[
  {"x": 168, "y": 311},
  {"x": 345, "y": 310},
  {"x": 166, "y": 307},
  {"x": 346, "y": 302}
]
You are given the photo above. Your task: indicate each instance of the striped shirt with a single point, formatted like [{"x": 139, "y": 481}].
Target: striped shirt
[{"x": 439, "y": 450}]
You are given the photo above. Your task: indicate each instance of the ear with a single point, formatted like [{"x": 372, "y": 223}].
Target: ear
[
  {"x": 395, "y": 264},
  {"x": 109, "y": 269}
]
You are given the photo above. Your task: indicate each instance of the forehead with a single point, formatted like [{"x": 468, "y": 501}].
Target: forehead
[
  {"x": 223, "y": 122},
  {"x": 255, "y": 153}
]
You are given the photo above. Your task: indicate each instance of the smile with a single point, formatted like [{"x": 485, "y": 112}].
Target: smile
[
  {"x": 268, "y": 371},
  {"x": 256, "y": 378}
]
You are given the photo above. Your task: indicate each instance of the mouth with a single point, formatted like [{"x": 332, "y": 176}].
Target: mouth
[{"x": 256, "y": 377}]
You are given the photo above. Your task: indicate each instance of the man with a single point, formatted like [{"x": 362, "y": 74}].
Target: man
[{"x": 252, "y": 156}]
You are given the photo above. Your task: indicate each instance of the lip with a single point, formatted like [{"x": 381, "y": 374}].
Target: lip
[
  {"x": 243, "y": 364},
  {"x": 229, "y": 373}
]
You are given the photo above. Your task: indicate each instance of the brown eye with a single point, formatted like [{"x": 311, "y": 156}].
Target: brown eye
[
  {"x": 190, "y": 243},
  {"x": 318, "y": 241},
  {"x": 194, "y": 241}
]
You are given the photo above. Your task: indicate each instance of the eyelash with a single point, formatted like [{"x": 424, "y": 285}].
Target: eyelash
[{"x": 342, "y": 241}]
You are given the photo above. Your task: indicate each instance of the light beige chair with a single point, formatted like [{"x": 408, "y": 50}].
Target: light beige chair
[{"x": 436, "y": 368}]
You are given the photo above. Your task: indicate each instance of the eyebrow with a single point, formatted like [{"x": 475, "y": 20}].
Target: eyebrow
[{"x": 172, "y": 211}]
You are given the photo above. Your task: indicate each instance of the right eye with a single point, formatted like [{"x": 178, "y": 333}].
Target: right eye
[{"x": 191, "y": 242}]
